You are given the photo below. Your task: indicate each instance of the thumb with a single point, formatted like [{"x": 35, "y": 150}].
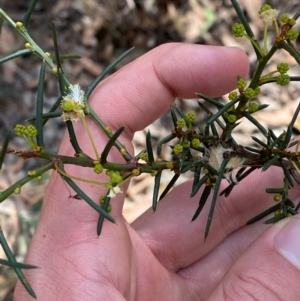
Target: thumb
[{"x": 269, "y": 269}]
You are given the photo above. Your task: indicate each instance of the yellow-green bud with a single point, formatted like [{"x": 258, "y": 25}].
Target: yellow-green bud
[
  {"x": 178, "y": 148},
  {"x": 277, "y": 197},
  {"x": 32, "y": 173},
  {"x": 98, "y": 168},
  {"x": 180, "y": 123},
  {"x": 186, "y": 144},
  {"x": 191, "y": 116},
  {"x": 195, "y": 142},
  {"x": 170, "y": 165},
  {"x": 102, "y": 199},
  {"x": 108, "y": 208},
  {"x": 144, "y": 157},
  {"x": 253, "y": 107},
  {"x": 19, "y": 25},
  {"x": 233, "y": 95},
  {"x": 115, "y": 176},
  {"x": 28, "y": 45},
  {"x": 17, "y": 190},
  {"x": 136, "y": 172},
  {"x": 67, "y": 105},
  {"x": 123, "y": 151}
]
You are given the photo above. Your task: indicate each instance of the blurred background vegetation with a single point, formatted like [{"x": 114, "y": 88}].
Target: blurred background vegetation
[{"x": 99, "y": 31}]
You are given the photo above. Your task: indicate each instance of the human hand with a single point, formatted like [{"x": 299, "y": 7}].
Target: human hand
[{"x": 162, "y": 256}]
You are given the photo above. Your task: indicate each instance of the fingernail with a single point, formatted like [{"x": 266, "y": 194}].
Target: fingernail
[{"x": 288, "y": 242}]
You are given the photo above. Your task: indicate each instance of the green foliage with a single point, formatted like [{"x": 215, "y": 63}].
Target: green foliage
[{"x": 210, "y": 153}]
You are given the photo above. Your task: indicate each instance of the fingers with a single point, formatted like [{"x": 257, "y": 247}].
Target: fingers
[
  {"x": 140, "y": 92},
  {"x": 171, "y": 222},
  {"x": 268, "y": 270},
  {"x": 203, "y": 276}
]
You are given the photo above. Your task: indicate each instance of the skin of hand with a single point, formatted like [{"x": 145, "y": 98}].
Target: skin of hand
[{"x": 162, "y": 256}]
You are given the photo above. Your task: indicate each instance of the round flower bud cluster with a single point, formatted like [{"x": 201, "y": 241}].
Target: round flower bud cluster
[
  {"x": 180, "y": 123},
  {"x": 253, "y": 107},
  {"x": 241, "y": 84},
  {"x": 178, "y": 148},
  {"x": 283, "y": 79},
  {"x": 250, "y": 93},
  {"x": 170, "y": 165},
  {"x": 265, "y": 7},
  {"x": 284, "y": 18},
  {"x": 186, "y": 144},
  {"x": 233, "y": 95},
  {"x": 191, "y": 116},
  {"x": 238, "y": 30},
  {"x": 195, "y": 142},
  {"x": 136, "y": 172},
  {"x": 98, "y": 168},
  {"x": 231, "y": 118},
  {"x": 292, "y": 34},
  {"x": 283, "y": 68},
  {"x": 22, "y": 130},
  {"x": 114, "y": 176},
  {"x": 144, "y": 157}
]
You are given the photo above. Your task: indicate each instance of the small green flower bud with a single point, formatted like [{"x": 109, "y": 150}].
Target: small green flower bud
[
  {"x": 283, "y": 79},
  {"x": 170, "y": 165},
  {"x": 20, "y": 130},
  {"x": 19, "y": 25},
  {"x": 284, "y": 18},
  {"x": 32, "y": 173},
  {"x": 102, "y": 199},
  {"x": 253, "y": 107},
  {"x": 277, "y": 197},
  {"x": 114, "y": 176},
  {"x": 241, "y": 84},
  {"x": 292, "y": 22},
  {"x": 292, "y": 34},
  {"x": 144, "y": 157},
  {"x": 191, "y": 116},
  {"x": 277, "y": 212},
  {"x": 98, "y": 168},
  {"x": 257, "y": 91},
  {"x": 123, "y": 151},
  {"x": 283, "y": 68},
  {"x": 180, "y": 123},
  {"x": 178, "y": 148},
  {"x": 17, "y": 190},
  {"x": 136, "y": 172},
  {"x": 68, "y": 105},
  {"x": 231, "y": 118},
  {"x": 265, "y": 7},
  {"x": 195, "y": 142},
  {"x": 233, "y": 95},
  {"x": 28, "y": 45},
  {"x": 249, "y": 93},
  {"x": 238, "y": 30},
  {"x": 31, "y": 131},
  {"x": 108, "y": 208},
  {"x": 186, "y": 144}
]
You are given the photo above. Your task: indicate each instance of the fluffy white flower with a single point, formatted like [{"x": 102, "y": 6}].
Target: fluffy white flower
[
  {"x": 269, "y": 16},
  {"x": 114, "y": 190},
  {"x": 73, "y": 103},
  {"x": 76, "y": 94},
  {"x": 215, "y": 158}
]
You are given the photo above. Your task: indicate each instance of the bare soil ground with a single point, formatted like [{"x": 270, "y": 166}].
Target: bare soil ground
[{"x": 100, "y": 31}]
